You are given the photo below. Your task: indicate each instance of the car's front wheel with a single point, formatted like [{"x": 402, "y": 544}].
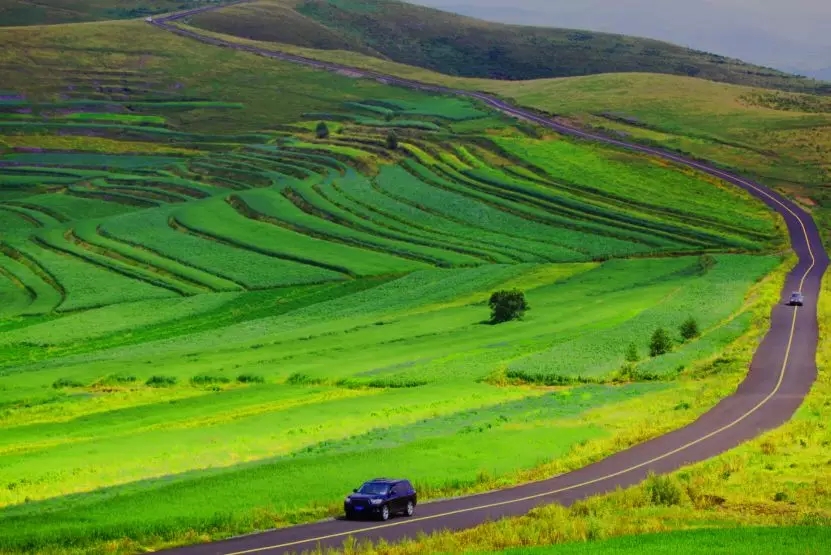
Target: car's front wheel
[
  {"x": 385, "y": 513},
  {"x": 410, "y": 508}
]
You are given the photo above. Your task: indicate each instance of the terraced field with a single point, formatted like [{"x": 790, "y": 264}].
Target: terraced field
[{"x": 245, "y": 305}]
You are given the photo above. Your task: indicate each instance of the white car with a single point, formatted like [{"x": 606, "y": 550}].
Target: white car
[{"x": 148, "y": 19}]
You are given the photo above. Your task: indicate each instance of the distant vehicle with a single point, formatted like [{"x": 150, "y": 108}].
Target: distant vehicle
[
  {"x": 148, "y": 19},
  {"x": 381, "y": 498},
  {"x": 796, "y": 299}
]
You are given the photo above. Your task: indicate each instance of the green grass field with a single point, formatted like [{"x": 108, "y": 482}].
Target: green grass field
[
  {"x": 803, "y": 540},
  {"x": 191, "y": 275}
]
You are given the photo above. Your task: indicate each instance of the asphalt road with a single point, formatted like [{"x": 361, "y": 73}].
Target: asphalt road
[{"x": 781, "y": 373}]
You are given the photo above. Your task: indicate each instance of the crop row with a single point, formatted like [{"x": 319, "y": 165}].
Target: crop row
[
  {"x": 359, "y": 214},
  {"x": 311, "y": 201},
  {"x": 696, "y": 221},
  {"x": 82, "y": 284},
  {"x": 676, "y": 190},
  {"x": 443, "y": 175},
  {"x": 157, "y": 231},
  {"x": 218, "y": 218},
  {"x": 292, "y": 212},
  {"x": 481, "y": 213},
  {"x": 577, "y": 208},
  {"x": 366, "y": 197},
  {"x": 573, "y": 232},
  {"x": 41, "y": 296}
]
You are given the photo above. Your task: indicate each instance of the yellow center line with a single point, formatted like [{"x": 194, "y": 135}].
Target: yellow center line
[{"x": 738, "y": 420}]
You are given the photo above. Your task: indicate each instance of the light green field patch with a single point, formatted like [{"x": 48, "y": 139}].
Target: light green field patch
[
  {"x": 798, "y": 540},
  {"x": 108, "y": 320},
  {"x": 106, "y": 116},
  {"x": 535, "y": 277},
  {"x": 266, "y": 421},
  {"x": 652, "y": 181},
  {"x": 90, "y": 160}
]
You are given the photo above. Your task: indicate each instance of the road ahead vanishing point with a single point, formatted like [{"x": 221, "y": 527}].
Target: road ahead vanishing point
[{"x": 781, "y": 373}]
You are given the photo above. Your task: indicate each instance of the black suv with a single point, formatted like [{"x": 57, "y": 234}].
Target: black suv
[{"x": 381, "y": 498}]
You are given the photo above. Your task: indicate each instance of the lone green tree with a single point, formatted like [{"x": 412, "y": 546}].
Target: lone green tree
[
  {"x": 507, "y": 305},
  {"x": 689, "y": 329},
  {"x": 660, "y": 343},
  {"x": 392, "y": 140},
  {"x": 322, "y": 130}
]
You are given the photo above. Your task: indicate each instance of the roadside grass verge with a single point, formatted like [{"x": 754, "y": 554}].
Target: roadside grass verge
[{"x": 750, "y": 540}]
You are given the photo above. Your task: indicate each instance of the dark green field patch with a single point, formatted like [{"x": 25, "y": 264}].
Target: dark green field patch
[{"x": 89, "y": 160}]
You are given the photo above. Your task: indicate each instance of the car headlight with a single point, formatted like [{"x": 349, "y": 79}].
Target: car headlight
[
  {"x": 348, "y": 500},
  {"x": 376, "y": 501}
]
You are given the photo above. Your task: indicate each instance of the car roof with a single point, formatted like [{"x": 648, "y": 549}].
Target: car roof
[{"x": 383, "y": 481}]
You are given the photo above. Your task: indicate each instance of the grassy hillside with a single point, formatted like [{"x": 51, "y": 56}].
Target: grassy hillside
[
  {"x": 457, "y": 45},
  {"x": 183, "y": 256},
  {"x": 45, "y": 12},
  {"x": 779, "y": 479},
  {"x": 783, "y": 139}
]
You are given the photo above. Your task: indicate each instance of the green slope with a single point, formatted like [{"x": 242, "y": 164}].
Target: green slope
[
  {"x": 44, "y": 12},
  {"x": 191, "y": 274},
  {"x": 457, "y": 45}
]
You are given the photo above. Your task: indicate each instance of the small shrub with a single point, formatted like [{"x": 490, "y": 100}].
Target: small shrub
[
  {"x": 250, "y": 378},
  {"x": 322, "y": 130},
  {"x": 660, "y": 343},
  {"x": 161, "y": 381},
  {"x": 206, "y": 379},
  {"x": 116, "y": 380},
  {"x": 507, "y": 305},
  {"x": 663, "y": 490},
  {"x": 630, "y": 373},
  {"x": 632, "y": 354},
  {"x": 303, "y": 379},
  {"x": 392, "y": 141},
  {"x": 66, "y": 383},
  {"x": 522, "y": 377},
  {"x": 706, "y": 262},
  {"x": 780, "y": 497},
  {"x": 768, "y": 447},
  {"x": 689, "y": 329}
]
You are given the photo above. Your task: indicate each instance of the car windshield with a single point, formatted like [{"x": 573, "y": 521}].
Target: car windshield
[{"x": 374, "y": 488}]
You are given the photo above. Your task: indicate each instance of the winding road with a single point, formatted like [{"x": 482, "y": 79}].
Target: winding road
[{"x": 781, "y": 373}]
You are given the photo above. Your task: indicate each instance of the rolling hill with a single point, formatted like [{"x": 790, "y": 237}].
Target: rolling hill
[
  {"x": 781, "y": 138},
  {"x": 790, "y": 36},
  {"x": 48, "y": 12},
  {"x": 463, "y": 46},
  {"x": 191, "y": 273}
]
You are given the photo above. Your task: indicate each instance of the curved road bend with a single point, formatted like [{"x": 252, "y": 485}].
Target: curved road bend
[{"x": 781, "y": 374}]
